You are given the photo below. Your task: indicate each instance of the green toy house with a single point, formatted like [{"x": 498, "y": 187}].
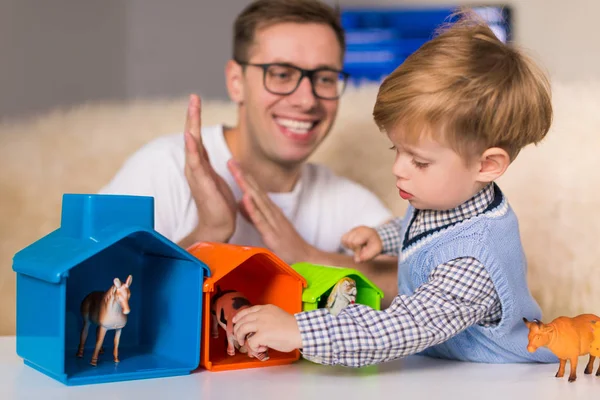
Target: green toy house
[{"x": 322, "y": 278}]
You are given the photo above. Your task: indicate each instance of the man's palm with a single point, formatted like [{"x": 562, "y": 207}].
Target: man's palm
[{"x": 213, "y": 197}]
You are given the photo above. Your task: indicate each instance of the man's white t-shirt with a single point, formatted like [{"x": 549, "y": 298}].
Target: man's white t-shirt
[{"x": 322, "y": 206}]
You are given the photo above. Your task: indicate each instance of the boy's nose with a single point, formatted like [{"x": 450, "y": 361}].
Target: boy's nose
[{"x": 399, "y": 169}]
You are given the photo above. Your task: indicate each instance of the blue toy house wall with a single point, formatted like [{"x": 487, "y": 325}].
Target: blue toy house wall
[
  {"x": 173, "y": 320},
  {"x": 40, "y": 334}
]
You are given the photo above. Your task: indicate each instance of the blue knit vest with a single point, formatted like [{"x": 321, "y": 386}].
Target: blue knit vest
[{"x": 493, "y": 238}]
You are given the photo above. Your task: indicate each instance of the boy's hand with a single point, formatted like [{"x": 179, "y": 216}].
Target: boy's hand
[
  {"x": 364, "y": 242},
  {"x": 271, "y": 327}
]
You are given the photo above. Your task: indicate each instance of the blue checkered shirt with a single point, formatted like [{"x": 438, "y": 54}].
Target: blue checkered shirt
[{"x": 459, "y": 291}]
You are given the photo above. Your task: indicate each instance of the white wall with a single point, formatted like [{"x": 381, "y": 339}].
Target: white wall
[
  {"x": 64, "y": 52},
  {"x": 562, "y": 35},
  {"x": 60, "y": 52},
  {"x": 179, "y": 46}
]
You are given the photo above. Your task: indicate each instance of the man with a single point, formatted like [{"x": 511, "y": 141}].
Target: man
[{"x": 250, "y": 184}]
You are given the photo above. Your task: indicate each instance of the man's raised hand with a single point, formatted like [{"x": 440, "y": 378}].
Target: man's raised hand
[{"x": 213, "y": 197}]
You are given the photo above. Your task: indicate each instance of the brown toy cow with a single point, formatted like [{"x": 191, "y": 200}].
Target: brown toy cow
[
  {"x": 224, "y": 306},
  {"x": 568, "y": 338}
]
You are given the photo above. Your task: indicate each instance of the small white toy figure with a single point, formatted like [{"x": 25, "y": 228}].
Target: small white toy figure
[
  {"x": 342, "y": 294},
  {"x": 108, "y": 310}
]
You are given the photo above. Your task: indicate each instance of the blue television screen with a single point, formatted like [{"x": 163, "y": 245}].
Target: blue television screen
[{"x": 380, "y": 39}]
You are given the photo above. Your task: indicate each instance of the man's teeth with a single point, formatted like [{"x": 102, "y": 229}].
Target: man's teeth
[{"x": 301, "y": 127}]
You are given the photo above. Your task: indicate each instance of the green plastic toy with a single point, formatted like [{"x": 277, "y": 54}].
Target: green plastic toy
[{"x": 322, "y": 278}]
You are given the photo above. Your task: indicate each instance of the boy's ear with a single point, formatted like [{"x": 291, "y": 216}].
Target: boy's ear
[
  {"x": 234, "y": 80},
  {"x": 492, "y": 164}
]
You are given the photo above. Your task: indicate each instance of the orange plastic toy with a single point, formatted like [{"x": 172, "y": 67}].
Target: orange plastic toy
[
  {"x": 568, "y": 338},
  {"x": 263, "y": 278},
  {"x": 595, "y": 345}
]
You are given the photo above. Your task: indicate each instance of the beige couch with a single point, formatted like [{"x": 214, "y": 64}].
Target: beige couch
[{"x": 552, "y": 187}]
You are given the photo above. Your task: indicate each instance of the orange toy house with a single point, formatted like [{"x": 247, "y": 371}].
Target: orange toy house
[{"x": 263, "y": 278}]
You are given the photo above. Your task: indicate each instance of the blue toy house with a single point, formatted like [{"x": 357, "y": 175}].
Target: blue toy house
[{"x": 103, "y": 237}]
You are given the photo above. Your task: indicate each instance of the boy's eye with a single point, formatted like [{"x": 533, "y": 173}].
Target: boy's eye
[
  {"x": 420, "y": 165},
  {"x": 393, "y": 148}
]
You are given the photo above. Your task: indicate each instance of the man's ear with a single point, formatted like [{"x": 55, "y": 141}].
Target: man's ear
[
  {"x": 492, "y": 164},
  {"x": 235, "y": 81}
]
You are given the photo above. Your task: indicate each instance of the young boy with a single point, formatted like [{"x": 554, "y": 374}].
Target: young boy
[{"x": 458, "y": 111}]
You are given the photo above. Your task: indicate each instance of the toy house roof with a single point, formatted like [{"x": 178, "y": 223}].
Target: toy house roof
[
  {"x": 90, "y": 224},
  {"x": 223, "y": 258},
  {"x": 322, "y": 278}
]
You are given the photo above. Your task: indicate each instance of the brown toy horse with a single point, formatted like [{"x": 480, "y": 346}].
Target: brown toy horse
[
  {"x": 108, "y": 310},
  {"x": 224, "y": 306},
  {"x": 568, "y": 338}
]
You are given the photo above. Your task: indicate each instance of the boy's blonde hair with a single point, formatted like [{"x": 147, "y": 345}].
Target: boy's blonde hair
[{"x": 468, "y": 89}]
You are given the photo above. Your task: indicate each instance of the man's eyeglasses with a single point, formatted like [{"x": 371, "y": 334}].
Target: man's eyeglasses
[{"x": 284, "y": 79}]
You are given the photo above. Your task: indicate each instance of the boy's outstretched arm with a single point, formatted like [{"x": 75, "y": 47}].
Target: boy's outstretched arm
[
  {"x": 389, "y": 233},
  {"x": 458, "y": 294},
  {"x": 367, "y": 243}
]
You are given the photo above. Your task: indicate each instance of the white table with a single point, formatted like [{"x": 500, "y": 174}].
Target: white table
[{"x": 410, "y": 378}]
